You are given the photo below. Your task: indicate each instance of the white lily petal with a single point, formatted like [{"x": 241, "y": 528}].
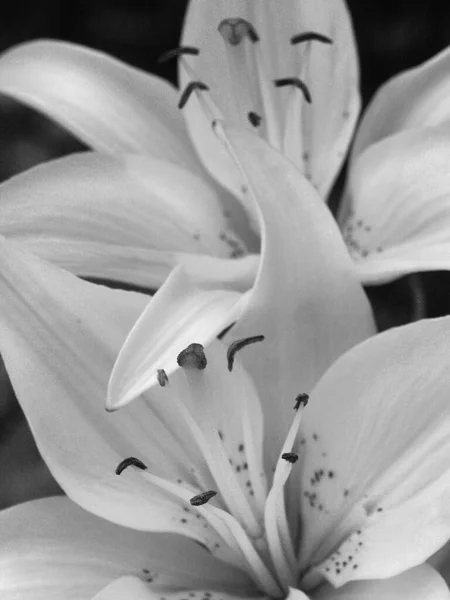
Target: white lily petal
[
  {"x": 62, "y": 335},
  {"x": 179, "y": 314},
  {"x": 304, "y": 263},
  {"x": 415, "y": 98},
  {"x": 378, "y": 463},
  {"x": 420, "y": 583},
  {"x": 88, "y": 206},
  {"x": 51, "y": 548},
  {"x": 396, "y": 216},
  {"x": 109, "y": 105},
  {"x": 240, "y": 76}
]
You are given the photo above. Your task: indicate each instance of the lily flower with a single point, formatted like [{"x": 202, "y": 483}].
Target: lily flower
[
  {"x": 155, "y": 190},
  {"x": 395, "y": 211},
  {"x": 271, "y": 493},
  {"x": 152, "y": 192}
]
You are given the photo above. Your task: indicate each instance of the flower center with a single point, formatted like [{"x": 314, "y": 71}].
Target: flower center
[{"x": 235, "y": 514}]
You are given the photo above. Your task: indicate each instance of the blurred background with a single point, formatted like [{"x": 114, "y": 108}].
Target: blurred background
[{"x": 391, "y": 36}]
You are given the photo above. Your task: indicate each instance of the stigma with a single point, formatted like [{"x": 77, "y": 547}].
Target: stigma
[{"x": 235, "y": 30}]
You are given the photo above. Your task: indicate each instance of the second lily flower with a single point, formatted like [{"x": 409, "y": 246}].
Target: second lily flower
[{"x": 145, "y": 200}]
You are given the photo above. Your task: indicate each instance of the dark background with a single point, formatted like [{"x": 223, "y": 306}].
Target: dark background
[{"x": 392, "y": 35}]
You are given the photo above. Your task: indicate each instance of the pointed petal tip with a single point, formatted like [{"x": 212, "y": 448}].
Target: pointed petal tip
[
  {"x": 116, "y": 400},
  {"x": 110, "y": 408}
]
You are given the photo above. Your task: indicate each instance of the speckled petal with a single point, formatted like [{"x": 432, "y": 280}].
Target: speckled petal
[
  {"x": 396, "y": 214},
  {"x": 93, "y": 213},
  {"x": 420, "y": 583},
  {"x": 376, "y": 479},
  {"x": 53, "y": 549}
]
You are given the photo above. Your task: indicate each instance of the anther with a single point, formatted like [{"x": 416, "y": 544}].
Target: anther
[
  {"x": 176, "y": 52},
  {"x": 234, "y": 30},
  {"x": 297, "y": 82},
  {"x": 254, "y": 118},
  {"x": 310, "y": 36},
  {"x": 191, "y": 87},
  {"x": 193, "y": 356},
  {"x": 301, "y": 400},
  {"x": 225, "y": 331},
  {"x": 161, "y": 375},
  {"x": 291, "y": 457},
  {"x": 238, "y": 345},
  {"x": 130, "y": 462},
  {"x": 202, "y": 498}
]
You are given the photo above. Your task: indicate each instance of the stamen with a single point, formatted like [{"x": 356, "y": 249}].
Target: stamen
[
  {"x": 161, "y": 375},
  {"x": 277, "y": 528},
  {"x": 275, "y": 517},
  {"x": 191, "y": 87},
  {"x": 130, "y": 462},
  {"x": 238, "y": 345},
  {"x": 210, "y": 109},
  {"x": 234, "y": 30},
  {"x": 310, "y": 36},
  {"x": 254, "y": 118},
  {"x": 298, "y": 83},
  {"x": 301, "y": 400},
  {"x": 202, "y": 498},
  {"x": 192, "y": 357},
  {"x": 176, "y": 52},
  {"x": 291, "y": 457}
]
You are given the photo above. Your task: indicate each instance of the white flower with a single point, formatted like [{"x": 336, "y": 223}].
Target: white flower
[
  {"x": 142, "y": 201},
  {"x": 360, "y": 498}
]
